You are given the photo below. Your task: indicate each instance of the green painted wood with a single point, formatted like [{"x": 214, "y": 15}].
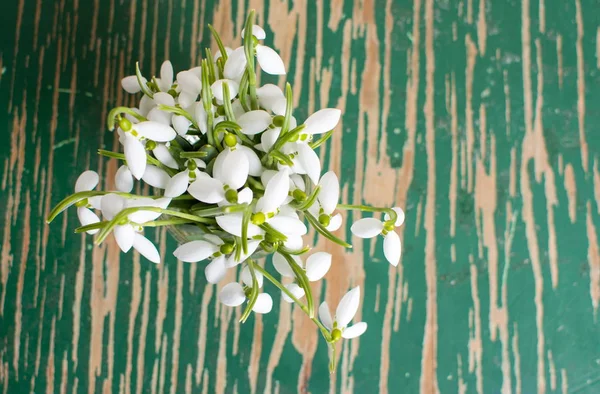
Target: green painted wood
[{"x": 479, "y": 117}]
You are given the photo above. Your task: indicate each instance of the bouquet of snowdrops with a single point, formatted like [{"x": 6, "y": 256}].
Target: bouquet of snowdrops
[{"x": 231, "y": 168}]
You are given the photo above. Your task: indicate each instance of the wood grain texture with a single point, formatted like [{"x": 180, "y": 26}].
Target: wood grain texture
[{"x": 479, "y": 117}]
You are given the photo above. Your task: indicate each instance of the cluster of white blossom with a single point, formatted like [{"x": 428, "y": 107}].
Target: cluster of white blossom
[{"x": 229, "y": 158}]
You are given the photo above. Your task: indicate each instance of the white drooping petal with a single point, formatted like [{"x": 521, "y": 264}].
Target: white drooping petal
[
  {"x": 130, "y": 84},
  {"x": 166, "y": 76},
  {"x": 330, "y": 192},
  {"x": 181, "y": 124},
  {"x": 124, "y": 179},
  {"x": 269, "y": 95},
  {"x": 347, "y": 307},
  {"x": 232, "y": 223},
  {"x": 276, "y": 191},
  {"x": 269, "y": 137},
  {"x": 232, "y": 294},
  {"x": 255, "y": 167},
  {"x": 392, "y": 248},
  {"x": 237, "y": 109},
  {"x": 264, "y": 303},
  {"x": 164, "y": 99},
  {"x": 282, "y": 266},
  {"x": 257, "y": 32},
  {"x": 234, "y": 168},
  {"x": 298, "y": 181},
  {"x": 194, "y": 251},
  {"x": 254, "y": 122},
  {"x": 111, "y": 205},
  {"x": 325, "y": 315},
  {"x": 189, "y": 82},
  {"x": 135, "y": 153},
  {"x": 269, "y": 60},
  {"x": 367, "y": 227},
  {"x": 124, "y": 235},
  {"x": 207, "y": 189},
  {"x": 217, "y": 89},
  {"x": 156, "y": 177},
  {"x": 245, "y": 196},
  {"x": 322, "y": 121},
  {"x": 317, "y": 265},
  {"x": 296, "y": 291},
  {"x": 335, "y": 222},
  {"x": 216, "y": 270},
  {"x": 95, "y": 202},
  {"x": 186, "y": 98},
  {"x": 146, "y": 248},
  {"x": 399, "y": 218},
  {"x": 288, "y": 225},
  {"x": 144, "y": 216},
  {"x": 355, "y": 330},
  {"x": 178, "y": 184},
  {"x": 162, "y": 154},
  {"x": 87, "y": 181},
  {"x": 309, "y": 160},
  {"x": 294, "y": 243},
  {"x": 279, "y": 108},
  {"x": 86, "y": 217},
  {"x": 200, "y": 117},
  {"x": 235, "y": 64},
  {"x": 267, "y": 175},
  {"x": 246, "y": 277},
  {"x": 252, "y": 246},
  {"x": 155, "y": 131},
  {"x": 159, "y": 116}
]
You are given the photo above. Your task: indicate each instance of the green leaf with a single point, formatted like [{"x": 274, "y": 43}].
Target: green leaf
[
  {"x": 143, "y": 86},
  {"x": 323, "y": 231}
]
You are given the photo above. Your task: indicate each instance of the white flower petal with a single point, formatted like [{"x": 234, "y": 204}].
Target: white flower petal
[
  {"x": 269, "y": 137},
  {"x": 309, "y": 160},
  {"x": 214, "y": 239},
  {"x": 392, "y": 248},
  {"x": 156, "y": 177},
  {"x": 146, "y": 248},
  {"x": 399, "y": 218},
  {"x": 124, "y": 235},
  {"x": 246, "y": 277},
  {"x": 166, "y": 76},
  {"x": 181, "y": 124},
  {"x": 288, "y": 225},
  {"x": 146, "y": 104},
  {"x": 194, "y": 251},
  {"x": 124, "y": 179},
  {"x": 298, "y": 181},
  {"x": 335, "y": 222},
  {"x": 235, "y": 64},
  {"x": 86, "y": 216},
  {"x": 178, "y": 184},
  {"x": 232, "y": 294},
  {"x": 237, "y": 109},
  {"x": 164, "y": 99},
  {"x": 269, "y": 95},
  {"x": 367, "y": 227},
  {"x": 325, "y": 315},
  {"x": 135, "y": 153},
  {"x": 294, "y": 243},
  {"x": 159, "y": 116},
  {"x": 87, "y": 181},
  {"x": 207, "y": 189},
  {"x": 111, "y": 205},
  {"x": 264, "y": 303},
  {"x": 330, "y": 192},
  {"x": 146, "y": 216},
  {"x": 269, "y": 60},
  {"x": 322, "y": 121},
  {"x": 155, "y": 131},
  {"x": 162, "y": 154},
  {"x": 317, "y": 265},
  {"x": 296, "y": 291},
  {"x": 245, "y": 196},
  {"x": 254, "y": 122},
  {"x": 279, "y": 107},
  {"x": 215, "y": 271},
  {"x": 189, "y": 82},
  {"x": 186, "y": 98},
  {"x": 234, "y": 168},
  {"x": 257, "y": 32},
  {"x": 217, "y": 89},
  {"x": 252, "y": 246},
  {"x": 355, "y": 330},
  {"x": 95, "y": 202},
  {"x": 200, "y": 117},
  {"x": 232, "y": 224},
  {"x": 282, "y": 266},
  {"x": 130, "y": 84},
  {"x": 267, "y": 175},
  {"x": 255, "y": 167},
  {"x": 347, "y": 307},
  {"x": 276, "y": 191}
]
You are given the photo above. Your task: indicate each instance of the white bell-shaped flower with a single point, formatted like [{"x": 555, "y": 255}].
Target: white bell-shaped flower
[
  {"x": 232, "y": 294},
  {"x": 269, "y": 60},
  {"x": 371, "y": 227},
  {"x": 124, "y": 179},
  {"x": 367, "y": 227},
  {"x": 162, "y": 154},
  {"x": 345, "y": 312},
  {"x": 232, "y": 223},
  {"x": 135, "y": 151},
  {"x": 217, "y": 89},
  {"x": 130, "y": 84},
  {"x": 392, "y": 247},
  {"x": 322, "y": 121},
  {"x": 194, "y": 251},
  {"x": 181, "y": 124},
  {"x": 216, "y": 270},
  {"x": 317, "y": 265},
  {"x": 276, "y": 191},
  {"x": 87, "y": 181},
  {"x": 330, "y": 192},
  {"x": 146, "y": 248},
  {"x": 288, "y": 225},
  {"x": 124, "y": 235},
  {"x": 271, "y": 98},
  {"x": 235, "y": 64},
  {"x": 166, "y": 76},
  {"x": 87, "y": 217},
  {"x": 156, "y": 177},
  {"x": 162, "y": 98},
  {"x": 399, "y": 216},
  {"x": 189, "y": 82},
  {"x": 254, "y": 122}
]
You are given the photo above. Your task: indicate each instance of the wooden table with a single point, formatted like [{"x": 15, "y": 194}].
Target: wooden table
[{"x": 479, "y": 117}]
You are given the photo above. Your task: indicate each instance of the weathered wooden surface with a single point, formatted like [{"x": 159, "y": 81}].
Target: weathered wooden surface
[{"x": 472, "y": 114}]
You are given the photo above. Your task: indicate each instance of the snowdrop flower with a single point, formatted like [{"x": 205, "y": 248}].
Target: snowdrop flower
[
  {"x": 166, "y": 76},
  {"x": 132, "y": 137},
  {"x": 328, "y": 199},
  {"x": 178, "y": 184},
  {"x": 271, "y": 97},
  {"x": 371, "y": 227},
  {"x": 87, "y": 181},
  {"x": 233, "y": 294},
  {"x": 217, "y": 89},
  {"x": 347, "y": 308},
  {"x": 276, "y": 191},
  {"x": 317, "y": 265}
]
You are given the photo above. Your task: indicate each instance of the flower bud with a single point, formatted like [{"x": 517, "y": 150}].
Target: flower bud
[
  {"x": 258, "y": 218},
  {"x": 226, "y": 248},
  {"x": 299, "y": 195},
  {"x": 231, "y": 195},
  {"x": 278, "y": 121},
  {"x": 230, "y": 140},
  {"x": 324, "y": 219},
  {"x": 336, "y": 335},
  {"x": 191, "y": 165},
  {"x": 150, "y": 145},
  {"x": 125, "y": 124}
]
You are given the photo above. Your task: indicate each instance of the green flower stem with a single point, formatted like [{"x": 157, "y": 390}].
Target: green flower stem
[
  {"x": 245, "y": 223},
  {"x": 121, "y": 216},
  {"x": 93, "y": 226},
  {"x": 365, "y": 208},
  {"x": 143, "y": 86},
  {"x": 299, "y": 252},
  {"x": 310, "y": 200},
  {"x": 253, "y": 293},
  {"x": 244, "y": 91},
  {"x": 211, "y": 69},
  {"x": 304, "y": 308},
  {"x": 332, "y": 358},
  {"x": 178, "y": 111},
  {"x": 207, "y": 101},
  {"x": 288, "y": 109},
  {"x": 167, "y": 222},
  {"x": 151, "y": 160},
  {"x": 323, "y": 231},
  {"x": 275, "y": 233},
  {"x": 227, "y": 103},
  {"x": 111, "y": 119},
  {"x": 302, "y": 280},
  {"x": 282, "y": 157},
  {"x": 287, "y": 137},
  {"x": 249, "y": 51},
  {"x": 193, "y": 155},
  {"x": 215, "y": 211},
  {"x": 219, "y": 43},
  {"x": 322, "y": 140}
]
